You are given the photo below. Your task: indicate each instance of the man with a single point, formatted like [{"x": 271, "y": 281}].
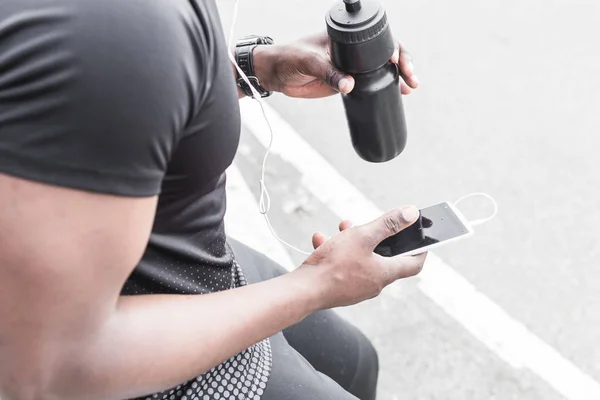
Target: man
[{"x": 117, "y": 122}]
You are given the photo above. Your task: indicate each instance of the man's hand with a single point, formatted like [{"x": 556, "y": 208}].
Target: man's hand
[
  {"x": 304, "y": 69},
  {"x": 344, "y": 270}
]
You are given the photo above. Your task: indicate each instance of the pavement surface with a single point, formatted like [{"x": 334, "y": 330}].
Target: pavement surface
[{"x": 508, "y": 105}]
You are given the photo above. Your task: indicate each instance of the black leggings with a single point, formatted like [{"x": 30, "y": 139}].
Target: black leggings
[{"x": 321, "y": 358}]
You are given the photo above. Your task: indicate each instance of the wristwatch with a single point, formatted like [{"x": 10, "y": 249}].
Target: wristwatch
[{"x": 243, "y": 56}]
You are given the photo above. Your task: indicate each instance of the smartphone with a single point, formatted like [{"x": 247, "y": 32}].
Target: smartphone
[{"x": 437, "y": 225}]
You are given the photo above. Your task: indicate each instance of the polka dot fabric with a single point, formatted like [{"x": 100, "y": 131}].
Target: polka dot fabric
[
  {"x": 242, "y": 377},
  {"x": 163, "y": 270}
]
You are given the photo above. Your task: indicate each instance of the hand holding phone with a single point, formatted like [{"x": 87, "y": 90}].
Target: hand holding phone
[
  {"x": 343, "y": 270},
  {"x": 437, "y": 225}
]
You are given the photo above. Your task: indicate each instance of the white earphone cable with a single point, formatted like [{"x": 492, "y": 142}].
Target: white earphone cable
[
  {"x": 264, "y": 203},
  {"x": 479, "y": 194}
]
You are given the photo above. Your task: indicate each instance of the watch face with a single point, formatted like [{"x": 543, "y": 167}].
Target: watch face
[
  {"x": 247, "y": 42},
  {"x": 254, "y": 40}
]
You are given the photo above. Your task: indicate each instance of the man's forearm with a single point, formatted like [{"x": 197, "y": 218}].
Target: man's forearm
[{"x": 155, "y": 342}]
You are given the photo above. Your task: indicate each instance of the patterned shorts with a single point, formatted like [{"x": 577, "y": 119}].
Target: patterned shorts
[{"x": 242, "y": 377}]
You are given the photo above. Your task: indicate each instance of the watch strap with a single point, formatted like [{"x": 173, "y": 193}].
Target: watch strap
[{"x": 244, "y": 58}]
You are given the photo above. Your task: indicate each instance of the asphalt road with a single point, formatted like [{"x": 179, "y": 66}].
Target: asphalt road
[{"x": 508, "y": 104}]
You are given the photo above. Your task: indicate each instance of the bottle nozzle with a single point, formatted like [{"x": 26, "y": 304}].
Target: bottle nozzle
[{"x": 352, "y": 6}]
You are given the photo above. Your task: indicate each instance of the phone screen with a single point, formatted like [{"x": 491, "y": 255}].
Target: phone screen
[{"x": 436, "y": 224}]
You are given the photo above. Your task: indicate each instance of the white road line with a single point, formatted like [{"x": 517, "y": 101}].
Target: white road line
[
  {"x": 245, "y": 223},
  {"x": 488, "y": 322}
]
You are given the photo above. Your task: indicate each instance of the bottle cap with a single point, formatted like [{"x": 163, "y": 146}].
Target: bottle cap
[
  {"x": 356, "y": 21},
  {"x": 360, "y": 35}
]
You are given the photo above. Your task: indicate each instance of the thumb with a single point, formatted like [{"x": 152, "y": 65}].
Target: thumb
[
  {"x": 320, "y": 67},
  {"x": 388, "y": 225},
  {"x": 344, "y": 85}
]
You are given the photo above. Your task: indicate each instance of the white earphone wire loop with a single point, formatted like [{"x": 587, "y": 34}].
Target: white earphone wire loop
[
  {"x": 479, "y": 221},
  {"x": 264, "y": 203}
]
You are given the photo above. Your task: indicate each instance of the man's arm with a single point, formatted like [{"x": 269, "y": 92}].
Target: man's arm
[
  {"x": 304, "y": 69},
  {"x": 66, "y": 334},
  {"x": 97, "y": 114}
]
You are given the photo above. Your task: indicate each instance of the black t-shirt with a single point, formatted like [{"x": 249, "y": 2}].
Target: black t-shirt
[{"x": 131, "y": 98}]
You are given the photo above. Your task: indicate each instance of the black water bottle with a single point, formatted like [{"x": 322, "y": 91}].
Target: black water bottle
[{"x": 362, "y": 46}]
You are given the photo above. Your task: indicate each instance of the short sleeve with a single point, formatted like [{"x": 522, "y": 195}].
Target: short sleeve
[{"x": 94, "y": 95}]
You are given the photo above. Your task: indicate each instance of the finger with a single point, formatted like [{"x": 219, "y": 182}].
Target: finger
[
  {"x": 345, "y": 224},
  {"x": 388, "y": 225},
  {"x": 396, "y": 55},
  {"x": 401, "y": 267},
  {"x": 318, "y": 239},
  {"x": 405, "y": 63},
  {"x": 404, "y": 88},
  {"x": 407, "y": 68},
  {"x": 320, "y": 67}
]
